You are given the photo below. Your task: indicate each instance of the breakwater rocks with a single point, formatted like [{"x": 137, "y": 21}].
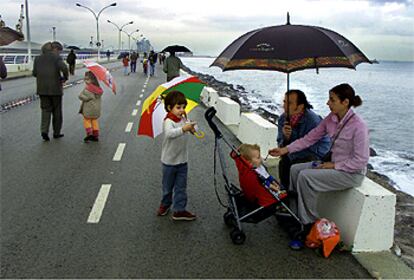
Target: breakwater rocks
[{"x": 404, "y": 216}]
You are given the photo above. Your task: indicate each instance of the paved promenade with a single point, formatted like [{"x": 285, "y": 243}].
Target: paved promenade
[{"x": 48, "y": 190}]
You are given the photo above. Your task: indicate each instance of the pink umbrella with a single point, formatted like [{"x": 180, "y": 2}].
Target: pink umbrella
[{"x": 101, "y": 73}]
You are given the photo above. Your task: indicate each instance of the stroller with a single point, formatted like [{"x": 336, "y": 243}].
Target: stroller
[{"x": 239, "y": 208}]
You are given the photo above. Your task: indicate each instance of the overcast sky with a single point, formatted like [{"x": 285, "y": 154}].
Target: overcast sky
[{"x": 381, "y": 29}]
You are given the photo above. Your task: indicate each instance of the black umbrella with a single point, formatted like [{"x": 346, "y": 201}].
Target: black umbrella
[
  {"x": 176, "y": 48},
  {"x": 288, "y": 48},
  {"x": 8, "y": 35},
  {"x": 73, "y": 47}
]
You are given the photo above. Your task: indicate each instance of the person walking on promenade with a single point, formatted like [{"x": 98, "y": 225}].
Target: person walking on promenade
[
  {"x": 48, "y": 69},
  {"x": 91, "y": 106},
  {"x": 152, "y": 60},
  {"x": 174, "y": 157},
  {"x": 125, "y": 63},
  {"x": 71, "y": 60},
  {"x": 301, "y": 120},
  {"x": 134, "y": 58},
  {"x": 344, "y": 168},
  {"x": 3, "y": 70},
  {"x": 172, "y": 66},
  {"x": 108, "y": 55},
  {"x": 145, "y": 64}
]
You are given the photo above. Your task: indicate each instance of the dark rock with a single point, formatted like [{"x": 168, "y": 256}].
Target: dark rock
[
  {"x": 369, "y": 166},
  {"x": 372, "y": 152}
]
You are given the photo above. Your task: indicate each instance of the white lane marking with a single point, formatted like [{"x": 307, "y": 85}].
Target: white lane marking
[
  {"x": 141, "y": 95},
  {"x": 98, "y": 206},
  {"x": 119, "y": 152},
  {"x": 129, "y": 127},
  {"x": 139, "y": 103},
  {"x": 143, "y": 90},
  {"x": 134, "y": 112}
]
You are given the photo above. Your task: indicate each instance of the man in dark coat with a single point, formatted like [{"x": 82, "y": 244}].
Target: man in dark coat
[
  {"x": 48, "y": 69},
  {"x": 71, "y": 60},
  {"x": 3, "y": 70}
]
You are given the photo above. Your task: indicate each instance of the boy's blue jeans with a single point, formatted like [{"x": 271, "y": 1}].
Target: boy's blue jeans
[{"x": 174, "y": 186}]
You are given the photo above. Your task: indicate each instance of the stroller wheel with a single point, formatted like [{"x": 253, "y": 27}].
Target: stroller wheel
[
  {"x": 237, "y": 236},
  {"x": 229, "y": 219}
]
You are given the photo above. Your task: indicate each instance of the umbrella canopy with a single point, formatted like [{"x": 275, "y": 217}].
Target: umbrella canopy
[
  {"x": 153, "y": 111},
  {"x": 288, "y": 48},
  {"x": 101, "y": 73},
  {"x": 8, "y": 35},
  {"x": 176, "y": 48}
]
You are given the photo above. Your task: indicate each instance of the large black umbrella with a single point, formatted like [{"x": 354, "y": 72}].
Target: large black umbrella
[
  {"x": 288, "y": 48},
  {"x": 8, "y": 35},
  {"x": 176, "y": 48}
]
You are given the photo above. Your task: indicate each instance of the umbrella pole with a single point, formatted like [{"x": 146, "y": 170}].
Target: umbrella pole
[{"x": 287, "y": 99}]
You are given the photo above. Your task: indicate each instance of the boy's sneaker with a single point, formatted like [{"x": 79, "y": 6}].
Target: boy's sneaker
[
  {"x": 183, "y": 216},
  {"x": 163, "y": 210}
]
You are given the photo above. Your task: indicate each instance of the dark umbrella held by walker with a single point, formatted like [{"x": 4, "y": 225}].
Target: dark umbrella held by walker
[
  {"x": 8, "y": 36},
  {"x": 176, "y": 48},
  {"x": 289, "y": 48}
]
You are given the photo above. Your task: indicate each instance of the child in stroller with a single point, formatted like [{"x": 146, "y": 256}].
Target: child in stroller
[{"x": 254, "y": 190}]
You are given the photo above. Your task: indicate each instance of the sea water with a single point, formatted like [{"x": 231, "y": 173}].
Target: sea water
[{"x": 387, "y": 91}]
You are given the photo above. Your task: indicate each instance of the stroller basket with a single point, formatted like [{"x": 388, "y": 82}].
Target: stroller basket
[{"x": 239, "y": 208}]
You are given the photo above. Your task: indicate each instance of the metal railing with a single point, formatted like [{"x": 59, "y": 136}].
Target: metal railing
[{"x": 22, "y": 58}]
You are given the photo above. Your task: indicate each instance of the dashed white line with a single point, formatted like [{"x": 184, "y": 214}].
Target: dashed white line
[
  {"x": 134, "y": 112},
  {"x": 139, "y": 103},
  {"x": 145, "y": 85},
  {"x": 129, "y": 127},
  {"x": 141, "y": 95},
  {"x": 119, "y": 152},
  {"x": 98, "y": 206},
  {"x": 143, "y": 90}
]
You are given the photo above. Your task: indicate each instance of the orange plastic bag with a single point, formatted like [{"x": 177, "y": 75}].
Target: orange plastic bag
[{"x": 323, "y": 233}]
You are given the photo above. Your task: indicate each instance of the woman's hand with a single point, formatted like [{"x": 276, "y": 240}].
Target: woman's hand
[
  {"x": 277, "y": 152},
  {"x": 326, "y": 165}
]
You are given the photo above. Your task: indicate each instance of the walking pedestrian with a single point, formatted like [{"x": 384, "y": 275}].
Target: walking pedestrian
[
  {"x": 172, "y": 66},
  {"x": 134, "y": 58},
  {"x": 108, "y": 55},
  {"x": 174, "y": 157},
  {"x": 152, "y": 60},
  {"x": 125, "y": 62},
  {"x": 48, "y": 69},
  {"x": 145, "y": 64},
  {"x": 91, "y": 106},
  {"x": 71, "y": 60}
]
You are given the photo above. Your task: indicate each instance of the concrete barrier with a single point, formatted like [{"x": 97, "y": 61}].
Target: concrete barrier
[
  {"x": 209, "y": 96},
  {"x": 365, "y": 215},
  {"x": 254, "y": 129},
  {"x": 228, "y": 111}
]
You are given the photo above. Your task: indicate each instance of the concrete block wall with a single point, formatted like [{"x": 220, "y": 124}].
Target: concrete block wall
[
  {"x": 365, "y": 215},
  {"x": 264, "y": 132},
  {"x": 209, "y": 97},
  {"x": 228, "y": 111}
]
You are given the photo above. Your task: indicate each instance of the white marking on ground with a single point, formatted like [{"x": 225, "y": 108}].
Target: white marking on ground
[
  {"x": 141, "y": 95},
  {"x": 98, "y": 206},
  {"x": 129, "y": 127},
  {"x": 134, "y": 112},
  {"x": 119, "y": 152},
  {"x": 139, "y": 103}
]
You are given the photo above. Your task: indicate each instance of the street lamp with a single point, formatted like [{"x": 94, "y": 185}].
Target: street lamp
[
  {"x": 129, "y": 37},
  {"x": 119, "y": 32},
  {"x": 98, "y": 44}
]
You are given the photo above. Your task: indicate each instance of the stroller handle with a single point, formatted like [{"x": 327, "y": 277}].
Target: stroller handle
[{"x": 209, "y": 115}]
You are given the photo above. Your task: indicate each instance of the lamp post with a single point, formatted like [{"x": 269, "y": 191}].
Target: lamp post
[
  {"x": 54, "y": 32},
  {"x": 98, "y": 44},
  {"x": 29, "y": 41},
  {"x": 119, "y": 31},
  {"x": 129, "y": 38}
]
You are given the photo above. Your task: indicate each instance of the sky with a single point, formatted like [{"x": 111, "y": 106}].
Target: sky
[{"x": 383, "y": 30}]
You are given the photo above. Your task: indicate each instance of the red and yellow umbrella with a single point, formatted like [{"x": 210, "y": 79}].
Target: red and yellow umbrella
[{"x": 153, "y": 112}]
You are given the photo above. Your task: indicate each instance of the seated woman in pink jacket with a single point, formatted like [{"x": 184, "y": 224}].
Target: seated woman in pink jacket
[{"x": 349, "y": 153}]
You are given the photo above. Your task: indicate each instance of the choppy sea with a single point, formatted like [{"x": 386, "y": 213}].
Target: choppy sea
[{"x": 387, "y": 91}]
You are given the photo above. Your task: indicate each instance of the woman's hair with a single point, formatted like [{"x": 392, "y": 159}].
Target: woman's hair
[
  {"x": 92, "y": 77},
  {"x": 301, "y": 98},
  {"x": 173, "y": 98},
  {"x": 246, "y": 149},
  {"x": 345, "y": 91}
]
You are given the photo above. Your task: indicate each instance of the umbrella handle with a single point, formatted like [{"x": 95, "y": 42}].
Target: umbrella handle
[{"x": 199, "y": 134}]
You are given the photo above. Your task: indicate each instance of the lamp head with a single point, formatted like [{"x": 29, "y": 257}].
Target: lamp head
[
  {"x": 113, "y": 4},
  {"x": 79, "y": 5}
]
